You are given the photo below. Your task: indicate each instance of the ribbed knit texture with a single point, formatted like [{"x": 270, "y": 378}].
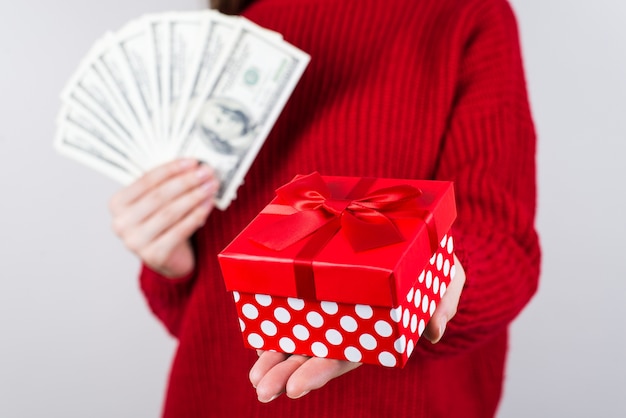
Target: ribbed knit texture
[{"x": 425, "y": 89}]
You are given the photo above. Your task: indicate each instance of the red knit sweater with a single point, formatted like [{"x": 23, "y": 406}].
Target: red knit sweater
[{"x": 430, "y": 89}]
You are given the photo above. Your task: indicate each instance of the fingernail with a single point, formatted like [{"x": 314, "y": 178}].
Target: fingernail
[
  {"x": 207, "y": 203},
  {"x": 203, "y": 171},
  {"x": 442, "y": 329},
  {"x": 270, "y": 399},
  {"x": 210, "y": 187},
  {"x": 187, "y": 162},
  {"x": 301, "y": 395}
]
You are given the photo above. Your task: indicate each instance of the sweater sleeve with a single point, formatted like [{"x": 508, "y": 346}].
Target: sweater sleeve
[
  {"x": 166, "y": 297},
  {"x": 489, "y": 153}
]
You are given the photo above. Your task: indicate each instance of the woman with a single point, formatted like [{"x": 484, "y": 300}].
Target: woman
[{"x": 402, "y": 89}]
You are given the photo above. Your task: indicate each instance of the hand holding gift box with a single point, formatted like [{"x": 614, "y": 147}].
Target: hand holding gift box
[{"x": 342, "y": 267}]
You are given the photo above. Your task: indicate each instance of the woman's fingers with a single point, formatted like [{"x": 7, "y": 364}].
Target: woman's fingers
[
  {"x": 126, "y": 196},
  {"x": 189, "y": 208},
  {"x": 166, "y": 253},
  {"x": 274, "y": 370},
  {"x": 128, "y": 213},
  {"x": 156, "y": 215},
  {"x": 447, "y": 307},
  {"x": 275, "y": 373},
  {"x": 314, "y": 374},
  {"x": 265, "y": 362}
]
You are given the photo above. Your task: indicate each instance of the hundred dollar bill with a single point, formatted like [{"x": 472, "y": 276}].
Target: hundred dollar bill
[
  {"x": 198, "y": 84},
  {"x": 216, "y": 40},
  {"x": 156, "y": 36},
  {"x": 185, "y": 29},
  {"x": 79, "y": 145},
  {"x": 87, "y": 89},
  {"x": 98, "y": 136},
  {"x": 231, "y": 121},
  {"x": 116, "y": 73},
  {"x": 134, "y": 43}
]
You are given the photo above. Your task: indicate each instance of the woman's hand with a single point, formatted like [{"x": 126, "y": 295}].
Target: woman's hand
[
  {"x": 156, "y": 215},
  {"x": 446, "y": 309},
  {"x": 296, "y": 375}
]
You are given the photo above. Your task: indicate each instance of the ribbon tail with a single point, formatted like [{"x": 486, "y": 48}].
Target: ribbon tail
[{"x": 290, "y": 229}]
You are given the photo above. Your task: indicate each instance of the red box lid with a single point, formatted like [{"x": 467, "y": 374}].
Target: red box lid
[{"x": 334, "y": 270}]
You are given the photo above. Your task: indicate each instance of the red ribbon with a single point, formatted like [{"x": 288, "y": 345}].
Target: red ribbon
[
  {"x": 310, "y": 208},
  {"x": 364, "y": 218}
]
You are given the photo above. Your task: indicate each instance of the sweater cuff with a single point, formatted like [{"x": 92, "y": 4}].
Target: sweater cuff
[{"x": 150, "y": 274}]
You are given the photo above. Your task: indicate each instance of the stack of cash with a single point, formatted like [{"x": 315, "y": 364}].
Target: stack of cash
[{"x": 187, "y": 84}]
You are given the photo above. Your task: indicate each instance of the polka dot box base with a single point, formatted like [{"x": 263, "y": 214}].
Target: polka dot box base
[{"x": 359, "y": 333}]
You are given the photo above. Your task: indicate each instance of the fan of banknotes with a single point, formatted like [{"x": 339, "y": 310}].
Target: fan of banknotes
[{"x": 195, "y": 84}]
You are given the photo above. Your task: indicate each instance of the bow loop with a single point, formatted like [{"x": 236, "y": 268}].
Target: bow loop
[
  {"x": 389, "y": 198},
  {"x": 383, "y": 200},
  {"x": 363, "y": 216},
  {"x": 306, "y": 193}
]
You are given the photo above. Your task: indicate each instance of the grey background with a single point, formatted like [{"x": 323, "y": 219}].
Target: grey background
[{"x": 76, "y": 339}]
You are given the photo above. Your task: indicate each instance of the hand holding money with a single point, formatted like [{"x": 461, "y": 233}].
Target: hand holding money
[
  {"x": 156, "y": 215},
  {"x": 189, "y": 84}
]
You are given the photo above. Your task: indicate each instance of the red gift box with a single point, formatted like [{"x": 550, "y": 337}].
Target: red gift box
[{"x": 343, "y": 267}]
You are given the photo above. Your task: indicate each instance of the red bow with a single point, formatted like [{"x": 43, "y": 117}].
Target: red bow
[{"x": 362, "y": 217}]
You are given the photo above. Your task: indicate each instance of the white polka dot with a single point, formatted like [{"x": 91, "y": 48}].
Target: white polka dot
[
  {"x": 429, "y": 279},
  {"x": 421, "y": 276},
  {"x": 334, "y": 337},
  {"x": 413, "y": 323},
  {"x": 396, "y": 314},
  {"x": 425, "y": 304},
  {"x": 409, "y": 296},
  {"x": 450, "y": 245},
  {"x": 421, "y": 327},
  {"x": 383, "y": 328},
  {"x": 439, "y": 261},
  {"x": 296, "y": 304},
  {"x": 436, "y": 285},
  {"x": 432, "y": 259},
  {"x": 301, "y": 332},
  {"x": 282, "y": 315},
  {"x": 269, "y": 328},
  {"x": 387, "y": 359},
  {"x": 452, "y": 272},
  {"x": 242, "y": 325},
  {"x": 330, "y": 308},
  {"x": 352, "y": 354},
  {"x": 406, "y": 317},
  {"x": 418, "y": 298},
  {"x": 364, "y": 311},
  {"x": 287, "y": 345},
  {"x": 367, "y": 341},
  {"x": 442, "y": 289},
  {"x": 263, "y": 300},
  {"x": 443, "y": 241},
  {"x": 400, "y": 344},
  {"x": 446, "y": 268},
  {"x": 348, "y": 323},
  {"x": 319, "y": 349},
  {"x": 255, "y": 340},
  {"x": 409, "y": 348},
  {"x": 250, "y": 311},
  {"x": 432, "y": 308},
  {"x": 236, "y": 296},
  {"x": 314, "y": 319}
]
